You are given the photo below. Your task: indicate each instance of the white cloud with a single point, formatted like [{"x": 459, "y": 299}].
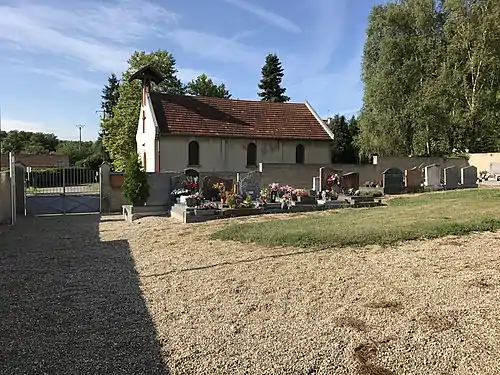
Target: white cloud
[
  {"x": 98, "y": 36},
  {"x": 216, "y": 48},
  {"x": 266, "y": 15},
  {"x": 67, "y": 80}
]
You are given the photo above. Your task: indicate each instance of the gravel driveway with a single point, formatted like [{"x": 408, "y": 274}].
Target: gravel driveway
[
  {"x": 70, "y": 303},
  {"x": 226, "y": 308}
]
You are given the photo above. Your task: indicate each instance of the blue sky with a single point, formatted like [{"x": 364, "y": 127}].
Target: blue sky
[{"x": 55, "y": 56}]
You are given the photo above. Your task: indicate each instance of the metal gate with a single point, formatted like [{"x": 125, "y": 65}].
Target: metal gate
[{"x": 53, "y": 191}]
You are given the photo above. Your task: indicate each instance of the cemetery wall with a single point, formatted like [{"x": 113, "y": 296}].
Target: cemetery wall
[
  {"x": 489, "y": 161},
  {"x": 301, "y": 175},
  {"x": 112, "y": 197}
]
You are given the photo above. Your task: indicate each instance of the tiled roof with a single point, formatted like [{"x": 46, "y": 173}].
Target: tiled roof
[
  {"x": 204, "y": 116},
  {"x": 38, "y": 160}
]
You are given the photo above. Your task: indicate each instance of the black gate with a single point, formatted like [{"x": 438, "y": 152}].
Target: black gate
[{"x": 62, "y": 191}]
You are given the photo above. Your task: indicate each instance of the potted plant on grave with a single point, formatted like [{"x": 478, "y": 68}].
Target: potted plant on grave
[
  {"x": 221, "y": 189},
  {"x": 301, "y": 195},
  {"x": 333, "y": 182},
  {"x": 135, "y": 183},
  {"x": 264, "y": 196},
  {"x": 231, "y": 199},
  {"x": 273, "y": 191},
  {"x": 193, "y": 200}
]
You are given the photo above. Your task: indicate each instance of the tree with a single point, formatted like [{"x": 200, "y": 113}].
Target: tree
[
  {"x": 135, "y": 183},
  {"x": 110, "y": 95},
  {"x": 204, "y": 86},
  {"x": 344, "y": 150},
  {"x": 76, "y": 151},
  {"x": 431, "y": 72},
  {"x": 120, "y": 130},
  {"x": 270, "y": 83},
  {"x": 28, "y": 142}
]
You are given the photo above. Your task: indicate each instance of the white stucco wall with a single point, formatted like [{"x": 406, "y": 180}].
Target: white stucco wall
[
  {"x": 146, "y": 141},
  {"x": 229, "y": 154}
]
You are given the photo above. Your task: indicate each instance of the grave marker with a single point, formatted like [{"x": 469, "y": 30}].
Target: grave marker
[
  {"x": 393, "y": 181},
  {"x": 350, "y": 181},
  {"x": 432, "y": 175},
  {"x": 413, "y": 180},
  {"x": 451, "y": 178},
  {"x": 468, "y": 177},
  {"x": 324, "y": 173}
]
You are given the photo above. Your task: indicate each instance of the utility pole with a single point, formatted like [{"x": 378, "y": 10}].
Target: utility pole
[{"x": 80, "y": 127}]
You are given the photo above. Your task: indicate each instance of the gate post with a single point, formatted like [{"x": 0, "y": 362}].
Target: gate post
[
  {"x": 12, "y": 169},
  {"x": 63, "y": 195}
]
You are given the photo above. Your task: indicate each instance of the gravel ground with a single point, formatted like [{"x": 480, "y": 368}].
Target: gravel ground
[{"x": 428, "y": 307}]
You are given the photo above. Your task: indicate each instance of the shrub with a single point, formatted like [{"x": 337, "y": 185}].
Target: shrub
[{"x": 135, "y": 183}]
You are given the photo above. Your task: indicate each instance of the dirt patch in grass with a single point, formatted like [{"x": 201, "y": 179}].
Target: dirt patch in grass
[{"x": 430, "y": 215}]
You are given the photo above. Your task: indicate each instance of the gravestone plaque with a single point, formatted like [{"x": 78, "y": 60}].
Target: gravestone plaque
[
  {"x": 468, "y": 177},
  {"x": 350, "y": 181},
  {"x": 208, "y": 190},
  {"x": 413, "y": 180},
  {"x": 432, "y": 175},
  {"x": 393, "y": 181},
  {"x": 451, "y": 177},
  {"x": 250, "y": 183},
  {"x": 324, "y": 173},
  {"x": 316, "y": 186}
]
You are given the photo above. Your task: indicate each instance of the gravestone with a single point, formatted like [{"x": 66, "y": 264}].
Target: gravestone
[
  {"x": 468, "y": 177},
  {"x": 316, "y": 185},
  {"x": 208, "y": 190},
  {"x": 432, "y": 175},
  {"x": 393, "y": 181},
  {"x": 495, "y": 168},
  {"x": 324, "y": 173},
  {"x": 250, "y": 183},
  {"x": 451, "y": 177},
  {"x": 178, "y": 182},
  {"x": 413, "y": 180},
  {"x": 350, "y": 181}
]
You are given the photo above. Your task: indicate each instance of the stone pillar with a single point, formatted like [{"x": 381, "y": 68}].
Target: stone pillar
[{"x": 104, "y": 187}]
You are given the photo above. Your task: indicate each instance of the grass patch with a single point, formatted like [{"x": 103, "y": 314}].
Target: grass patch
[{"x": 429, "y": 215}]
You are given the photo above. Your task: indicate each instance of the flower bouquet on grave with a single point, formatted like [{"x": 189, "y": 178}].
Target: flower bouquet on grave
[
  {"x": 264, "y": 196},
  {"x": 192, "y": 184},
  {"x": 221, "y": 190},
  {"x": 272, "y": 191},
  {"x": 300, "y": 194}
]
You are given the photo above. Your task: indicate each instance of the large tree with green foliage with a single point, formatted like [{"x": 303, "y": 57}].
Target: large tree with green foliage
[
  {"x": 110, "y": 95},
  {"x": 121, "y": 129},
  {"x": 270, "y": 83},
  {"x": 431, "y": 73},
  {"x": 205, "y": 86},
  {"x": 28, "y": 142},
  {"x": 344, "y": 150}
]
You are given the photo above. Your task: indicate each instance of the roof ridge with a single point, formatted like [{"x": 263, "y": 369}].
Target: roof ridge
[{"x": 229, "y": 99}]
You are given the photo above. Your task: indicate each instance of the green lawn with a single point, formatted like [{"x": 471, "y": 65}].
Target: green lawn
[{"x": 428, "y": 215}]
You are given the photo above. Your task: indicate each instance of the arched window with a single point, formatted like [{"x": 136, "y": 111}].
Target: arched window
[
  {"x": 193, "y": 153},
  {"x": 252, "y": 154},
  {"x": 300, "y": 154}
]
